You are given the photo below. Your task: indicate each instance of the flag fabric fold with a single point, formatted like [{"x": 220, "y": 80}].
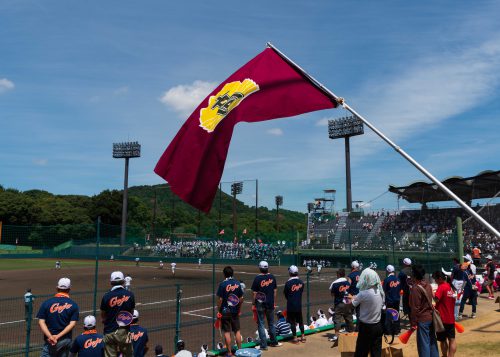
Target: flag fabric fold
[{"x": 267, "y": 87}]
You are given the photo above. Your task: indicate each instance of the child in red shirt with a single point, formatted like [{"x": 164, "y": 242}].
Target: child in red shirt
[{"x": 445, "y": 304}]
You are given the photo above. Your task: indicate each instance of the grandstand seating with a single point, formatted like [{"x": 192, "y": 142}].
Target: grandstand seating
[{"x": 417, "y": 230}]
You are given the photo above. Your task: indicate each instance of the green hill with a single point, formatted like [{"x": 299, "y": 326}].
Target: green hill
[{"x": 168, "y": 214}]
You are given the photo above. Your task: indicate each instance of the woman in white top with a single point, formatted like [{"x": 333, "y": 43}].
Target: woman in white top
[{"x": 370, "y": 301}]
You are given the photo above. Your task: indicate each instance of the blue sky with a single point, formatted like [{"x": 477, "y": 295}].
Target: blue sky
[{"x": 77, "y": 76}]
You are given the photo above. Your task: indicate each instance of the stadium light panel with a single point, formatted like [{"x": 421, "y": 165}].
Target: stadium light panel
[
  {"x": 126, "y": 150},
  {"x": 345, "y": 127}
]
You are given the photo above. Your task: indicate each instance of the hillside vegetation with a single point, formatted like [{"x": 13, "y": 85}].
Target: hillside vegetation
[{"x": 37, "y": 207}]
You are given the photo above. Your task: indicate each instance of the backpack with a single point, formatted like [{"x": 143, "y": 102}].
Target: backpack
[{"x": 390, "y": 323}]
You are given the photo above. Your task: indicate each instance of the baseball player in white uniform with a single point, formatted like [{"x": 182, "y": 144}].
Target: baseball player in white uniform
[
  {"x": 128, "y": 280},
  {"x": 173, "y": 268}
]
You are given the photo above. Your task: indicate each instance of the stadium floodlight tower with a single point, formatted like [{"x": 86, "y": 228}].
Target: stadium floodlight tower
[
  {"x": 236, "y": 189},
  {"x": 125, "y": 150},
  {"x": 279, "y": 202},
  {"x": 345, "y": 128}
]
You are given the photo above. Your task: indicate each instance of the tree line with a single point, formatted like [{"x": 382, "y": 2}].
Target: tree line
[{"x": 154, "y": 209}]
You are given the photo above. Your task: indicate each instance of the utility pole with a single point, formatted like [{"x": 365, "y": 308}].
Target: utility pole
[{"x": 279, "y": 202}]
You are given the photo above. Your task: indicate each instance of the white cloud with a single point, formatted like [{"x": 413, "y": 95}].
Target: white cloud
[
  {"x": 323, "y": 122},
  {"x": 185, "y": 98},
  {"x": 275, "y": 131},
  {"x": 433, "y": 89},
  {"x": 41, "y": 162},
  {"x": 121, "y": 91},
  {"x": 253, "y": 162},
  {"x": 6, "y": 85}
]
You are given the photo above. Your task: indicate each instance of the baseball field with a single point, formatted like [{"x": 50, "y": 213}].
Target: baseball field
[{"x": 155, "y": 290}]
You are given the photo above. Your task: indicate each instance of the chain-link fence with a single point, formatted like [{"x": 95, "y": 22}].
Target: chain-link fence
[
  {"x": 168, "y": 312},
  {"x": 186, "y": 310}
]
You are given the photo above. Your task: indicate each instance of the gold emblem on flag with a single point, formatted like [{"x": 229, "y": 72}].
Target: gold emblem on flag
[{"x": 221, "y": 104}]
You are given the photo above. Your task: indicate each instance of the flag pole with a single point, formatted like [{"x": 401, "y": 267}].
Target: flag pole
[{"x": 398, "y": 149}]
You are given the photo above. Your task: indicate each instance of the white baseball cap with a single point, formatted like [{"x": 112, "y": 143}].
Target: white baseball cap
[
  {"x": 293, "y": 269},
  {"x": 390, "y": 268},
  {"x": 263, "y": 265},
  {"x": 117, "y": 276},
  {"x": 468, "y": 257},
  {"x": 89, "y": 321},
  {"x": 489, "y": 257},
  {"x": 407, "y": 261},
  {"x": 64, "y": 284},
  {"x": 355, "y": 264},
  {"x": 135, "y": 315}
]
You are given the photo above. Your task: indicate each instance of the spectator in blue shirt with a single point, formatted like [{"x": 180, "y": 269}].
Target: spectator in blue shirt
[
  {"x": 139, "y": 336},
  {"x": 57, "y": 317},
  {"x": 229, "y": 304},
  {"x": 353, "y": 279},
  {"x": 114, "y": 302},
  {"x": 342, "y": 307},
  {"x": 392, "y": 288},
  {"x": 405, "y": 276},
  {"x": 282, "y": 327},
  {"x": 89, "y": 343},
  {"x": 294, "y": 288},
  {"x": 264, "y": 294}
]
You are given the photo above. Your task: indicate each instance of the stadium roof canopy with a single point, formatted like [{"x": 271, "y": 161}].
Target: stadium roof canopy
[{"x": 484, "y": 185}]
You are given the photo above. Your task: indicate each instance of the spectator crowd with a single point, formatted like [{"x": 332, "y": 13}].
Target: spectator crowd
[{"x": 249, "y": 249}]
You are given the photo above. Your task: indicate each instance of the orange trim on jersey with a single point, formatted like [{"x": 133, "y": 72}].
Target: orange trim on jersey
[
  {"x": 62, "y": 295},
  {"x": 88, "y": 332}
]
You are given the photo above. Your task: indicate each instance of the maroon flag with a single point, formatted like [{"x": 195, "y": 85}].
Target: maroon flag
[{"x": 267, "y": 87}]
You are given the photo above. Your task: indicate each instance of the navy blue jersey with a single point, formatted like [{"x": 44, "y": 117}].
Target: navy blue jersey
[
  {"x": 392, "y": 287},
  {"x": 457, "y": 273},
  {"x": 265, "y": 283},
  {"x": 354, "y": 277},
  {"x": 58, "y": 312},
  {"x": 339, "y": 290},
  {"x": 114, "y": 301},
  {"x": 229, "y": 303},
  {"x": 139, "y": 339},
  {"x": 293, "y": 290},
  {"x": 404, "y": 277},
  {"x": 470, "y": 279},
  {"x": 88, "y": 344}
]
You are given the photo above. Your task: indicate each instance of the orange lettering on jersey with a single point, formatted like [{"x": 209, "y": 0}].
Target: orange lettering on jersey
[
  {"x": 231, "y": 287},
  {"x": 394, "y": 284},
  {"x": 296, "y": 287},
  {"x": 90, "y": 343},
  {"x": 56, "y": 308},
  {"x": 343, "y": 288},
  {"x": 138, "y": 335},
  {"x": 116, "y": 301},
  {"x": 267, "y": 282}
]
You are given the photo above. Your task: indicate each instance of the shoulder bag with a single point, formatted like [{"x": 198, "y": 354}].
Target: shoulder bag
[{"x": 436, "y": 317}]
